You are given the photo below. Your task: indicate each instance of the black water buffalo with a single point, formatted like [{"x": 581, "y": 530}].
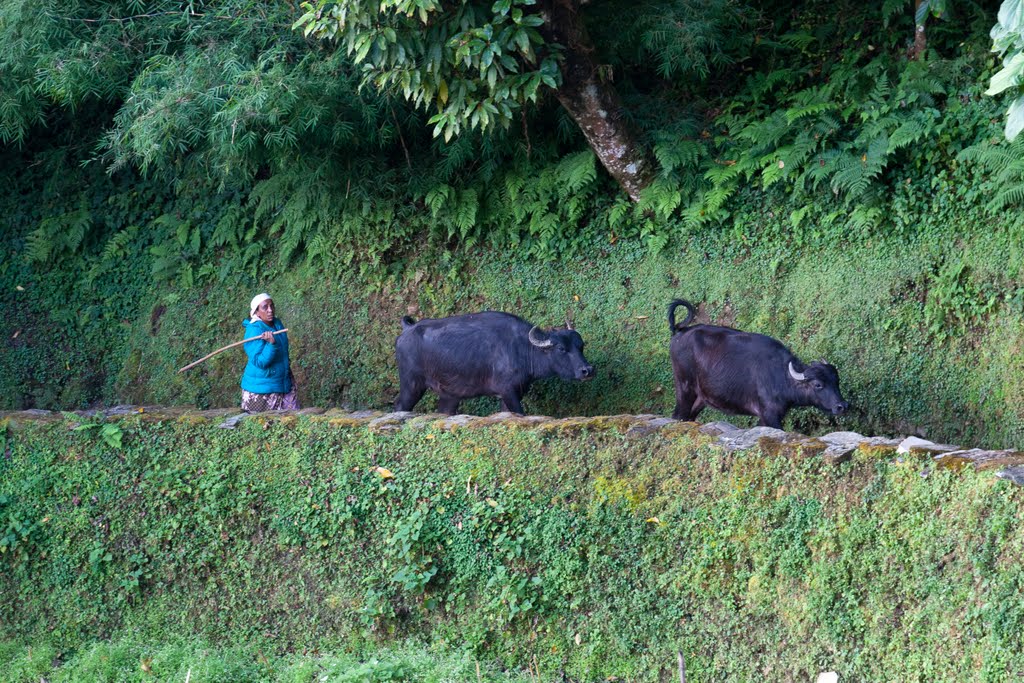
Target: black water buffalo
[
  {"x": 482, "y": 354},
  {"x": 743, "y": 373}
]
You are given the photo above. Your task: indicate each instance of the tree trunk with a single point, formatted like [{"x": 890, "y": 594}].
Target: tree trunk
[
  {"x": 592, "y": 101},
  {"x": 917, "y": 51}
]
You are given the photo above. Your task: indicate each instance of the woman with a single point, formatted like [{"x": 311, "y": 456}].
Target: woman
[{"x": 267, "y": 382}]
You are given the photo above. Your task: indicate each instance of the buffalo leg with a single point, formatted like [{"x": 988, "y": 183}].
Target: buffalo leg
[
  {"x": 409, "y": 394},
  {"x": 687, "y": 403},
  {"x": 695, "y": 409},
  {"x": 772, "y": 419},
  {"x": 448, "y": 404},
  {"x": 512, "y": 404}
]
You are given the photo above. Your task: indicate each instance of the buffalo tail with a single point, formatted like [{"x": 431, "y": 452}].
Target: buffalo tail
[{"x": 691, "y": 313}]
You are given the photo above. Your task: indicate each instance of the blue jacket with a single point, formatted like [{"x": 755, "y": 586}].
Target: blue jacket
[{"x": 267, "y": 371}]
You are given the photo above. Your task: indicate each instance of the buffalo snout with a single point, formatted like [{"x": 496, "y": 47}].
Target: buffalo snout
[
  {"x": 840, "y": 408},
  {"x": 586, "y": 372}
]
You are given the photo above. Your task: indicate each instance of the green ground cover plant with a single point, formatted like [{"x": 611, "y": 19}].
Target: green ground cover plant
[
  {"x": 133, "y": 659},
  {"x": 585, "y": 552}
]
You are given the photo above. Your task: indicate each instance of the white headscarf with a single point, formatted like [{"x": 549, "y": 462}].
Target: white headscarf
[{"x": 256, "y": 301}]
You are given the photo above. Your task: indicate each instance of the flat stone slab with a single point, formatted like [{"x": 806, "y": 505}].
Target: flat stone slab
[
  {"x": 390, "y": 422},
  {"x": 1013, "y": 474},
  {"x": 453, "y": 422},
  {"x": 232, "y": 421},
  {"x": 741, "y": 439},
  {"x": 840, "y": 446},
  {"x": 726, "y": 429},
  {"x": 422, "y": 421},
  {"x": 650, "y": 425},
  {"x": 839, "y": 438},
  {"x": 600, "y": 423},
  {"x": 364, "y": 414},
  {"x": 507, "y": 419},
  {"x": 980, "y": 459},
  {"x": 913, "y": 444}
]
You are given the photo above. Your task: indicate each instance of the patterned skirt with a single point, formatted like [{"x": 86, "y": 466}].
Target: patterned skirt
[{"x": 260, "y": 403}]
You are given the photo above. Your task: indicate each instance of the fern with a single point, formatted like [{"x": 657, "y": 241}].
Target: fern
[
  {"x": 864, "y": 218},
  {"x": 114, "y": 250},
  {"x": 1006, "y": 162},
  {"x": 576, "y": 171},
  {"x": 820, "y": 170},
  {"x": 807, "y": 142},
  {"x": 437, "y": 198},
  {"x": 39, "y": 245},
  {"x": 799, "y": 40},
  {"x": 854, "y": 174},
  {"x": 892, "y": 8},
  {"x": 767, "y": 134},
  {"x": 230, "y": 229},
  {"x": 678, "y": 153},
  {"x": 760, "y": 85},
  {"x": 59, "y": 235},
  {"x": 714, "y": 199},
  {"x": 661, "y": 197},
  {"x": 464, "y": 215},
  {"x": 798, "y": 215},
  {"x": 621, "y": 209},
  {"x": 911, "y": 131},
  {"x": 116, "y": 247},
  {"x": 776, "y": 168}
]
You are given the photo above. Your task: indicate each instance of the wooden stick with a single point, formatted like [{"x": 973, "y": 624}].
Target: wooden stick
[{"x": 225, "y": 348}]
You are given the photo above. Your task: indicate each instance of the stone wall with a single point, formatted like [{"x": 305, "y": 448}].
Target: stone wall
[{"x": 835, "y": 447}]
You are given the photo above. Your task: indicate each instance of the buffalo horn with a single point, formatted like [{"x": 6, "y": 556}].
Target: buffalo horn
[
  {"x": 798, "y": 376},
  {"x": 539, "y": 343}
]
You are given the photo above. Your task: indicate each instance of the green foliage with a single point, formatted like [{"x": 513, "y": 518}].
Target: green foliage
[
  {"x": 681, "y": 40},
  {"x": 1005, "y": 162},
  {"x": 275, "y": 130},
  {"x": 1008, "y": 41},
  {"x": 129, "y": 658},
  {"x": 109, "y": 432},
  {"x": 587, "y": 553},
  {"x": 474, "y": 64},
  {"x": 954, "y": 301}
]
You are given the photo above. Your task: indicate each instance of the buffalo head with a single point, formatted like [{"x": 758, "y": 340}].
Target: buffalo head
[
  {"x": 562, "y": 352},
  {"x": 819, "y": 382}
]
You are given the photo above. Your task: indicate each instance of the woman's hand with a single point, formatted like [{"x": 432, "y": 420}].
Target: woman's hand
[{"x": 267, "y": 337}]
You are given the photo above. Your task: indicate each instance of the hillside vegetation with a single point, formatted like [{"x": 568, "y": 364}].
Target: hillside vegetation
[{"x": 590, "y": 553}]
